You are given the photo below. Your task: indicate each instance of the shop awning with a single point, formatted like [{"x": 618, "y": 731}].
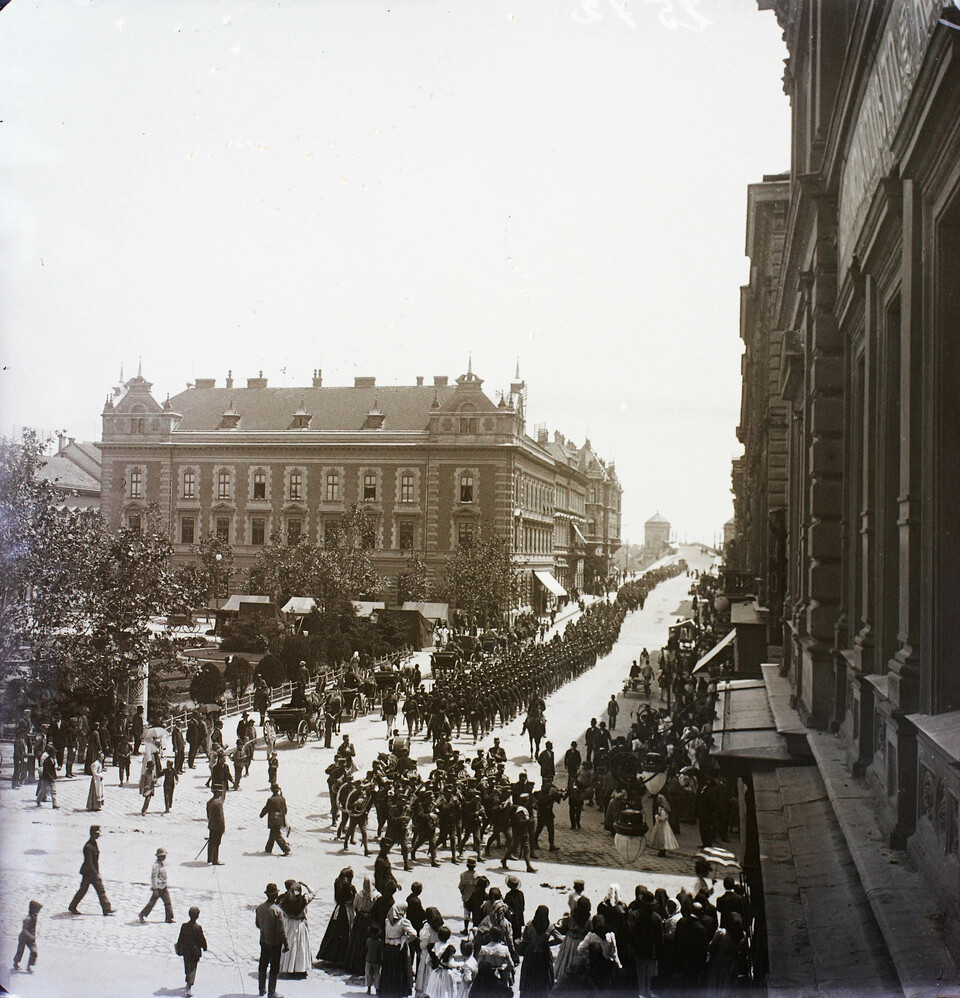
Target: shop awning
[
  {"x": 718, "y": 647},
  {"x": 580, "y": 536},
  {"x": 550, "y": 583},
  {"x": 302, "y": 606}
]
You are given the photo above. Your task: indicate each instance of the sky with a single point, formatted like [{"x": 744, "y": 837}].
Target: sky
[{"x": 386, "y": 189}]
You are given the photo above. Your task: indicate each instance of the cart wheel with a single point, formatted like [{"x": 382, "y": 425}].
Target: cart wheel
[{"x": 301, "y": 735}]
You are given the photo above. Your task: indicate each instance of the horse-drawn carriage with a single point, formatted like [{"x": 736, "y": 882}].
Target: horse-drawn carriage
[
  {"x": 297, "y": 722},
  {"x": 443, "y": 663}
]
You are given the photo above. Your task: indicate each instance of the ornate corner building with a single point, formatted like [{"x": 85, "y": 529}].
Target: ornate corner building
[
  {"x": 430, "y": 464},
  {"x": 847, "y": 497}
]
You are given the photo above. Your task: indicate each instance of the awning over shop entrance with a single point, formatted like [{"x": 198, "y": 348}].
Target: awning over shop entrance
[
  {"x": 550, "y": 583},
  {"x": 715, "y": 650},
  {"x": 580, "y": 536},
  {"x": 745, "y": 728}
]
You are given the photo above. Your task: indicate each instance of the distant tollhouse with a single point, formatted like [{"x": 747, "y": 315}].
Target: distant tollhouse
[{"x": 429, "y": 464}]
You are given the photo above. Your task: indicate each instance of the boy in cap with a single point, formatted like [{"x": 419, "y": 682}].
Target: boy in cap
[
  {"x": 158, "y": 888},
  {"x": 28, "y": 937}
]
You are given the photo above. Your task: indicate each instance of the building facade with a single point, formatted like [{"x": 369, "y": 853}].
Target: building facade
[
  {"x": 846, "y": 496},
  {"x": 430, "y": 465}
]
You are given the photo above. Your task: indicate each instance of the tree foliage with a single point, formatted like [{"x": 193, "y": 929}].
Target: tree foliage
[
  {"x": 75, "y": 599},
  {"x": 342, "y": 570},
  {"x": 207, "y": 685},
  {"x": 482, "y": 580},
  {"x": 238, "y": 674},
  {"x": 216, "y": 566},
  {"x": 412, "y": 582}
]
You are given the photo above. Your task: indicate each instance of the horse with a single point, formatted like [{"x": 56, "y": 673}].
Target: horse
[{"x": 536, "y": 727}]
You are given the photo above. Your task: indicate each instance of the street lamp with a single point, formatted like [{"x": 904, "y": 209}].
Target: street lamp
[{"x": 216, "y": 582}]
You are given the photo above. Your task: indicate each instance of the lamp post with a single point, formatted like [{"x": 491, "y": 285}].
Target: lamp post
[{"x": 216, "y": 582}]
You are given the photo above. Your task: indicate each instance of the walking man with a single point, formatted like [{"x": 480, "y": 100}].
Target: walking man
[
  {"x": 48, "y": 777},
  {"x": 215, "y": 829},
  {"x": 275, "y": 811},
  {"x": 90, "y": 872},
  {"x": 273, "y": 941},
  {"x": 179, "y": 749},
  {"x": 613, "y": 708},
  {"x": 190, "y": 945},
  {"x": 158, "y": 888}
]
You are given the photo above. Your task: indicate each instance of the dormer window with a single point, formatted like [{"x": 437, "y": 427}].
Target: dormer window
[{"x": 468, "y": 421}]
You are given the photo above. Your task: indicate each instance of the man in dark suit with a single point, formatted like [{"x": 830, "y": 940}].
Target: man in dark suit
[
  {"x": 276, "y": 813},
  {"x": 195, "y": 737},
  {"x": 548, "y": 764},
  {"x": 90, "y": 871},
  {"x": 216, "y": 826},
  {"x": 179, "y": 748},
  {"x": 273, "y": 940},
  {"x": 731, "y": 901}
]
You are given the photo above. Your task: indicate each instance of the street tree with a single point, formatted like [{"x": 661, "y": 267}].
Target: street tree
[
  {"x": 481, "y": 579},
  {"x": 412, "y": 582}
]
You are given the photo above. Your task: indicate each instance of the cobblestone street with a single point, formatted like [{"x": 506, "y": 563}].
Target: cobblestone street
[{"x": 119, "y": 956}]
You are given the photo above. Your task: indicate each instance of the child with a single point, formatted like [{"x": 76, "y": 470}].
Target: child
[
  {"x": 467, "y": 970},
  {"x": 149, "y": 786},
  {"x": 121, "y": 758},
  {"x": 169, "y": 783},
  {"x": 374, "y": 958},
  {"x": 273, "y": 764},
  {"x": 28, "y": 937}
]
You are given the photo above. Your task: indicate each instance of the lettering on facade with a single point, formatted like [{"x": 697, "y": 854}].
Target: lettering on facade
[{"x": 905, "y": 38}]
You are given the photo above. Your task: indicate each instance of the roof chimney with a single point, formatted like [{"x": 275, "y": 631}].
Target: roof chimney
[
  {"x": 260, "y": 382},
  {"x": 364, "y": 382},
  {"x": 206, "y": 382},
  {"x": 318, "y": 378},
  {"x": 439, "y": 381},
  {"x": 543, "y": 435},
  {"x": 229, "y": 379},
  {"x": 419, "y": 381}
]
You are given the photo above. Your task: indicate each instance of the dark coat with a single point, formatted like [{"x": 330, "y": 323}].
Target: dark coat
[{"x": 215, "y": 820}]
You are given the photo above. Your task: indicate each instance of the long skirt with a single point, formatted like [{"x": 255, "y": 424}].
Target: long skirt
[
  {"x": 95, "y": 796},
  {"x": 536, "y": 974},
  {"x": 296, "y": 958},
  {"x": 488, "y": 985},
  {"x": 663, "y": 837},
  {"x": 356, "y": 956},
  {"x": 394, "y": 973},
  {"x": 565, "y": 954},
  {"x": 333, "y": 946}
]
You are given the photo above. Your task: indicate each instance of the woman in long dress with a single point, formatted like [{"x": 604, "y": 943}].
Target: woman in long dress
[
  {"x": 95, "y": 796},
  {"x": 574, "y": 927},
  {"x": 333, "y": 946},
  {"x": 356, "y": 956},
  {"x": 395, "y": 970},
  {"x": 663, "y": 837},
  {"x": 536, "y": 970},
  {"x": 295, "y": 959},
  {"x": 428, "y": 937}
]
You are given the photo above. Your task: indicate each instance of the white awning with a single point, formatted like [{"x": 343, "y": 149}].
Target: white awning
[
  {"x": 302, "y": 606},
  {"x": 719, "y": 646},
  {"x": 550, "y": 583},
  {"x": 576, "y": 530}
]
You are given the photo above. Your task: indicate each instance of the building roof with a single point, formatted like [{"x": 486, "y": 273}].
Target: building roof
[
  {"x": 336, "y": 409},
  {"x": 657, "y": 518},
  {"x": 65, "y": 473}
]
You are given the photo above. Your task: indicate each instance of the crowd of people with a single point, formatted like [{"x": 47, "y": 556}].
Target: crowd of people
[
  {"x": 465, "y": 805},
  {"x": 693, "y": 943}
]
